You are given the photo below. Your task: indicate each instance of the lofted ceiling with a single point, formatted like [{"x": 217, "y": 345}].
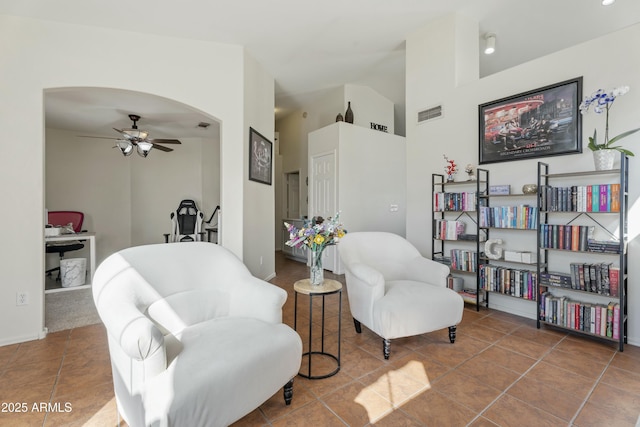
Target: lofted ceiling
[{"x": 309, "y": 47}]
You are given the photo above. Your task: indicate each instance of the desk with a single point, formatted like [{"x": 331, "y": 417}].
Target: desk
[
  {"x": 328, "y": 287},
  {"x": 89, "y": 237}
]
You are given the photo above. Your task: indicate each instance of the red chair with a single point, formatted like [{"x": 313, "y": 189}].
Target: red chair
[{"x": 62, "y": 219}]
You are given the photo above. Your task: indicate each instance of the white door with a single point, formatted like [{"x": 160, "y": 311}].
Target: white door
[{"x": 323, "y": 196}]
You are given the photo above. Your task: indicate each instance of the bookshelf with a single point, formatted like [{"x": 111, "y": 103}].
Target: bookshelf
[
  {"x": 456, "y": 237},
  {"x": 583, "y": 225},
  {"x": 514, "y": 273}
]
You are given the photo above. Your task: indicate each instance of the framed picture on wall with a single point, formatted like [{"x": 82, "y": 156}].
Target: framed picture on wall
[
  {"x": 539, "y": 123},
  {"x": 260, "y": 157}
]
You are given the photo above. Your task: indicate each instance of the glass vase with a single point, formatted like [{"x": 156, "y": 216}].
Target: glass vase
[{"x": 317, "y": 272}]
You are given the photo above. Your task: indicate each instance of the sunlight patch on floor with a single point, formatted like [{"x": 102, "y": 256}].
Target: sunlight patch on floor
[{"x": 392, "y": 389}]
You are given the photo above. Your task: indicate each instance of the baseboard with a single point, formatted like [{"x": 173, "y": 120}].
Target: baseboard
[{"x": 24, "y": 338}]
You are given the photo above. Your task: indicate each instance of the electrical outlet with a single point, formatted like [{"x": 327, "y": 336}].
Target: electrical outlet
[{"x": 22, "y": 298}]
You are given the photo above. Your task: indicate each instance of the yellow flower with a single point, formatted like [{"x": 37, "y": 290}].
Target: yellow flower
[
  {"x": 318, "y": 239},
  {"x": 340, "y": 234}
]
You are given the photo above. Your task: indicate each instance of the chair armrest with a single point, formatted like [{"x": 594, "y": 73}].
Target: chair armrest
[
  {"x": 426, "y": 270},
  {"x": 367, "y": 275},
  {"x": 258, "y": 299},
  {"x": 365, "y": 286},
  {"x": 140, "y": 339}
]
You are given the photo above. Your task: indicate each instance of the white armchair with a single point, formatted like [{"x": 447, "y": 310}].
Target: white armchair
[
  {"x": 194, "y": 338},
  {"x": 394, "y": 291}
]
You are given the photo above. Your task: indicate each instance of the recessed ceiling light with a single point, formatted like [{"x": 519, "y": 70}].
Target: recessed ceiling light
[
  {"x": 608, "y": 2},
  {"x": 490, "y": 44}
]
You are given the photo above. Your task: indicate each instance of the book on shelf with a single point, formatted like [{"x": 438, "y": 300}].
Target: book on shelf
[
  {"x": 522, "y": 217},
  {"x": 581, "y": 198},
  {"x": 464, "y": 260},
  {"x": 566, "y": 237},
  {"x": 469, "y": 295},
  {"x": 614, "y": 281},
  {"x": 442, "y": 259},
  {"x": 448, "y": 229},
  {"x": 603, "y": 246},
  {"x": 446, "y": 201},
  {"x": 594, "y": 278},
  {"x": 597, "y": 319},
  {"x": 508, "y": 281}
]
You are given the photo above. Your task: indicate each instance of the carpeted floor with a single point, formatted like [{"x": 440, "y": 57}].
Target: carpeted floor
[{"x": 70, "y": 309}]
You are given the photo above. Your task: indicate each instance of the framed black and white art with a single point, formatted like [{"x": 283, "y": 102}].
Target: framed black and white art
[{"x": 260, "y": 157}]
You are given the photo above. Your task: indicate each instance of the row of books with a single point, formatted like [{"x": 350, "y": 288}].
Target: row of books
[
  {"x": 509, "y": 281},
  {"x": 469, "y": 295},
  {"x": 601, "y": 278},
  {"x": 597, "y": 319},
  {"x": 445, "y": 229},
  {"x": 464, "y": 260},
  {"x": 581, "y": 198},
  {"x": 464, "y": 201},
  {"x": 568, "y": 237},
  {"x": 525, "y": 217}
]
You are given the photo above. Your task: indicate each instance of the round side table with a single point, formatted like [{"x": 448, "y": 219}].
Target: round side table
[{"x": 328, "y": 287}]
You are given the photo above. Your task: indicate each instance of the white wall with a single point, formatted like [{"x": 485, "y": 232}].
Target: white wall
[
  {"x": 158, "y": 184},
  {"x": 432, "y": 77},
  {"x": 259, "y": 204},
  {"x": 370, "y": 176},
  {"x": 369, "y": 106},
  {"x": 37, "y": 55},
  {"x": 91, "y": 177}
]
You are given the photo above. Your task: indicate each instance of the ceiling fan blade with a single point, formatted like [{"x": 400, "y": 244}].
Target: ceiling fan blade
[
  {"x": 161, "y": 148},
  {"x": 98, "y": 137},
  {"x": 163, "y": 141}
]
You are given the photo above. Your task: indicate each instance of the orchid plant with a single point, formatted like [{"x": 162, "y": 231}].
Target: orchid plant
[
  {"x": 602, "y": 101},
  {"x": 451, "y": 168}
]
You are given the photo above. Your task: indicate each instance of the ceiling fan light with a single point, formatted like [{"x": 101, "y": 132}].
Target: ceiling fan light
[
  {"x": 144, "y": 148},
  {"x": 125, "y": 147},
  {"x": 136, "y": 133}
]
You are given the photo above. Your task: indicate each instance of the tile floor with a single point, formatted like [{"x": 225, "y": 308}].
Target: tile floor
[{"x": 501, "y": 371}]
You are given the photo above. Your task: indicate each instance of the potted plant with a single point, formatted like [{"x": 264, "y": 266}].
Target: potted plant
[{"x": 605, "y": 152}]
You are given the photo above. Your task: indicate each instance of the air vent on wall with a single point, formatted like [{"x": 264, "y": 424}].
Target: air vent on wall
[{"x": 429, "y": 114}]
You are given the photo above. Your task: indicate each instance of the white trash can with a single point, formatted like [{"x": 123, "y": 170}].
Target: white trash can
[{"x": 73, "y": 272}]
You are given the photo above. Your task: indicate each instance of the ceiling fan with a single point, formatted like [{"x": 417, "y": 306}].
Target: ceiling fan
[{"x": 134, "y": 137}]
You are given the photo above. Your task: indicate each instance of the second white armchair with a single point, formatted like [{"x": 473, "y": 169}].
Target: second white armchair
[{"x": 395, "y": 291}]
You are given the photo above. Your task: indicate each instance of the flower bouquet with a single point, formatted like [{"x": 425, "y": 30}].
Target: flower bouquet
[{"x": 316, "y": 235}]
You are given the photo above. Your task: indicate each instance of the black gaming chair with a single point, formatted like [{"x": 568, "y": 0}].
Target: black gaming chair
[{"x": 186, "y": 223}]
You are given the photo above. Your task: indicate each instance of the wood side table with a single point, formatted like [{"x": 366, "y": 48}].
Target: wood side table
[{"x": 328, "y": 287}]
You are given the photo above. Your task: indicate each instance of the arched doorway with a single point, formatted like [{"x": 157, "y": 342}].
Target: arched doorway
[{"x": 126, "y": 200}]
